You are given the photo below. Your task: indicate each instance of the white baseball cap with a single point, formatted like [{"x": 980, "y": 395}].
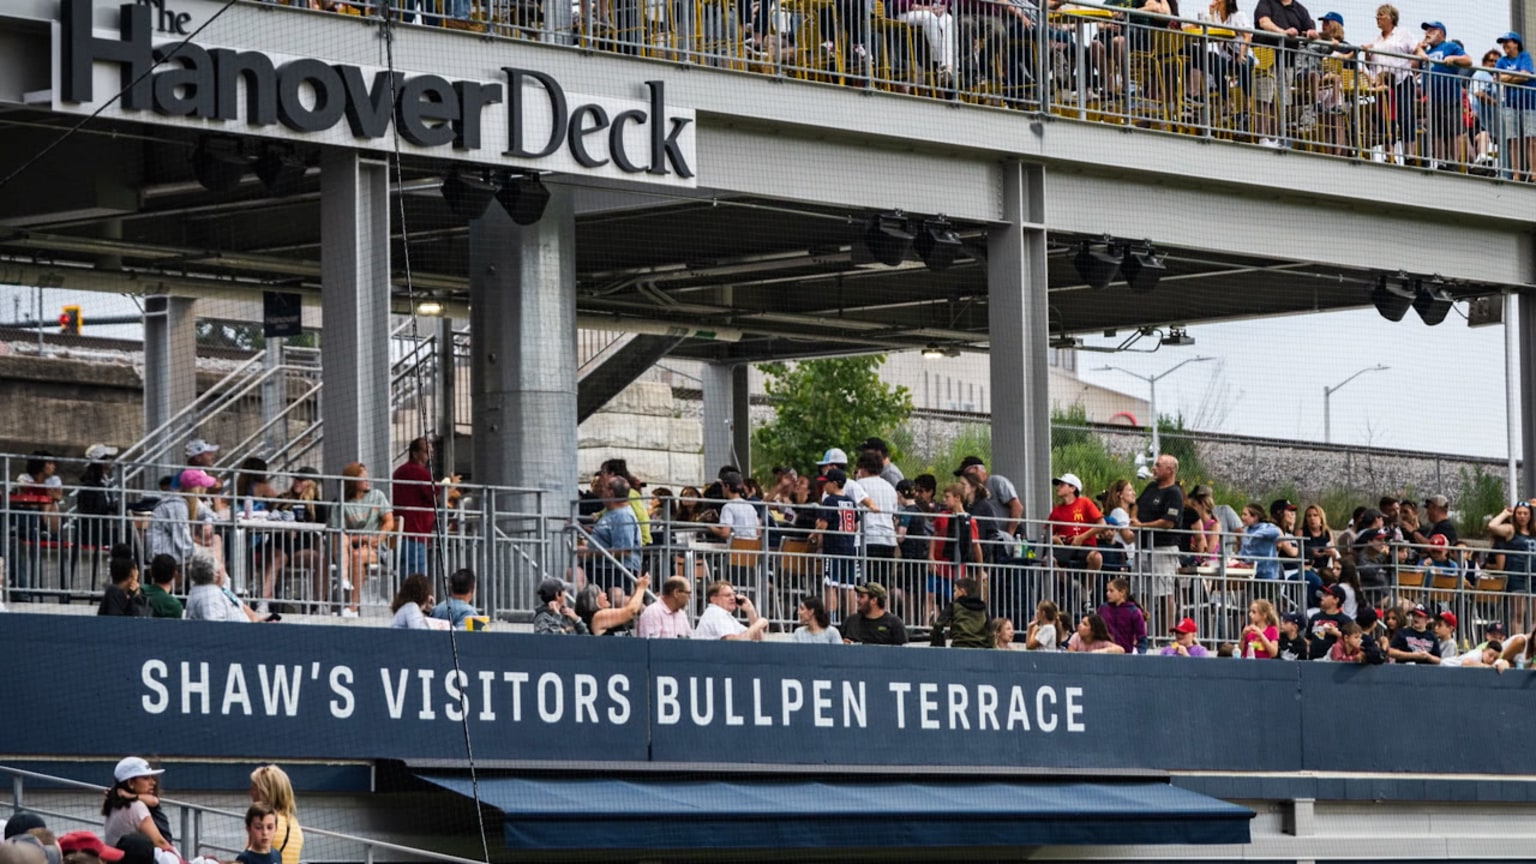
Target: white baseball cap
[
  {"x": 98, "y": 452},
  {"x": 1072, "y": 480},
  {"x": 134, "y": 766},
  {"x": 834, "y": 456},
  {"x": 197, "y": 447}
]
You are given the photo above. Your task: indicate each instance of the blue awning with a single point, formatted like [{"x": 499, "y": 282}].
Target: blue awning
[{"x": 661, "y": 813}]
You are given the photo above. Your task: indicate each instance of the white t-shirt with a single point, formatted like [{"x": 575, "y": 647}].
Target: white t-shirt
[
  {"x": 53, "y": 482},
  {"x": 1046, "y": 636},
  {"x": 1120, "y": 519},
  {"x": 853, "y": 490},
  {"x": 1237, "y": 21},
  {"x": 716, "y": 623},
  {"x": 1453, "y": 659},
  {"x": 1402, "y": 41},
  {"x": 741, "y": 516},
  {"x": 880, "y": 528},
  {"x": 124, "y": 821},
  {"x": 828, "y": 636}
]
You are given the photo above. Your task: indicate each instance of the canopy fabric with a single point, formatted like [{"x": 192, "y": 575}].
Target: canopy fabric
[{"x": 659, "y": 813}]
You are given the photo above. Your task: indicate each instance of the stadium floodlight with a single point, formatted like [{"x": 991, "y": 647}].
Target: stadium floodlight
[
  {"x": 937, "y": 244},
  {"x": 524, "y": 198},
  {"x": 1392, "y": 297},
  {"x": 1098, "y": 267},
  {"x": 1431, "y": 300},
  {"x": 218, "y": 164},
  {"x": 467, "y": 196},
  {"x": 887, "y": 238}
]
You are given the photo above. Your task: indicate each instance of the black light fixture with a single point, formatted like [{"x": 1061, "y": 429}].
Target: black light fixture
[
  {"x": 1142, "y": 268},
  {"x": 937, "y": 244},
  {"x": 467, "y": 196},
  {"x": 218, "y": 164},
  {"x": 1177, "y": 337},
  {"x": 281, "y": 171},
  {"x": 523, "y": 197},
  {"x": 887, "y": 238},
  {"x": 1431, "y": 300},
  {"x": 1098, "y": 267},
  {"x": 1392, "y": 298}
]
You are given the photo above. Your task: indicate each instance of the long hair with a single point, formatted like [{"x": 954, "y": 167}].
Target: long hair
[
  {"x": 818, "y": 610},
  {"x": 273, "y": 787},
  {"x": 586, "y": 604},
  {"x": 415, "y": 589},
  {"x": 1322, "y": 518},
  {"x": 352, "y": 485},
  {"x": 995, "y": 632},
  {"x": 1098, "y": 631},
  {"x": 1267, "y": 612}
]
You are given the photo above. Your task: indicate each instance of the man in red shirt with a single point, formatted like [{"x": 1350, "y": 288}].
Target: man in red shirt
[
  {"x": 1074, "y": 524},
  {"x": 415, "y": 500}
]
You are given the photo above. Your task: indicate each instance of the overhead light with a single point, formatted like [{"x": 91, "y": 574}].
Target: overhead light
[
  {"x": 937, "y": 244},
  {"x": 1431, "y": 300},
  {"x": 524, "y": 197},
  {"x": 467, "y": 196},
  {"x": 280, "y": 171},
  {"x": 1098, "y": 267},
  {"x": 429, "y": 308},
  {"x": 1141, "y": 269},
  {"x": 932, "y": 352},
  {"x": 888, "y": 238},
  {"x": 1392, "y": 298},
  {"x": 218, "y": 164},
  {"x": 1066, "y": 342},
  {"x": 1177, "y": 337}
]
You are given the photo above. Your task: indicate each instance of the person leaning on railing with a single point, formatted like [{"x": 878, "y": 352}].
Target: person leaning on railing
[
  {"x": 367, "y": 519},
  {"x": 1518, "y": 114}
]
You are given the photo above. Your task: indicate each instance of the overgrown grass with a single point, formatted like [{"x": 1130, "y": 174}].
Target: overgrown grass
[{"x": 1483, "y": 496}]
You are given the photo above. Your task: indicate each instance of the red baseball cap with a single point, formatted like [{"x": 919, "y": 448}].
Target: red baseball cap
[
  {"x": 1449, "y": 618},
  {"x": 1185, "y": 625},
  {"x": 85, "y": 841}
]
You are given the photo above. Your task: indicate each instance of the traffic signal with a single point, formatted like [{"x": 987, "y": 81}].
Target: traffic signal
[{"x": 69, "y": 321}]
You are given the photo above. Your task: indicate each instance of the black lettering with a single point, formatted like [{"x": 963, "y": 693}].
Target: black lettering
[
  {"x": 134, "y": 53},
  {"x": 368, "y": 111},
  {"x": 260, "y": 86},
  {"x": 557, "y": 110},
  {"x": 616, "y": 139},
  {"x": 187, "y": 88},
  {"x": 428, "y": 106},
  {"x": 579, "y": 131},
  {"x": 664, "y": 143},
  {"x": 179, "y": 25},
  {"x": 329, "y": 96},
  {"x": 473, "y": 97}
]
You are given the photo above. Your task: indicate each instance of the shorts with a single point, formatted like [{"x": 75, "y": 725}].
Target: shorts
[
  {"x": 1114, "y": 559},
  {"x": 840, "y": 573},
  {"x": 1160, "y": 565},
  {"x": 941, "y": 587},
  {"x": 1517, "y": 122},
  {"x": 1072, "y": 557},
  {"x": 1519, "y": 583},
  {"x": 1443, "y": 117}
]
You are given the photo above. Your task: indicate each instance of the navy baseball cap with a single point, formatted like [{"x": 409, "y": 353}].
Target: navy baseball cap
[
  {"x": 1335, "y": 18},
  {"x": 1433, "y": 25},
  {"x": 1511, "y": 36}
]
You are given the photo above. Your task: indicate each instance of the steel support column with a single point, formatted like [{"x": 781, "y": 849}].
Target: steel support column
[
  {"x": 522, "y": 287},
  {"x": 741, "y": 417},
  {"x": 170, "y": 373},
  {"x": 719, "y": 385},
  {"x": 1527, "y": 405},
  {"x": 447, "y": 399},
  {"x": 1019, "y": 334},
  {"x": 354, "y": 303}
]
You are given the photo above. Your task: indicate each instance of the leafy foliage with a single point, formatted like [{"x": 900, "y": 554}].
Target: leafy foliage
[
  {"x": 836, "y": 402},
  {"x": 1482, "y": 498}
]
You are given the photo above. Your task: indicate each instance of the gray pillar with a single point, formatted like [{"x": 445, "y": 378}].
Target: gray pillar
[
  {"x": 522, "y": 302},
  {"x": 170, "y": 377},
  {"x": 1019, "y": 333},
  {"x": 1522, "y": 14},
  {"x": 354, "y": 303},
  {"x": 1527, "y": 407},
  {"x": 719, "y": 408},
  {"x": 741, "y": 417},
  {"x": 447, "y": 398}
]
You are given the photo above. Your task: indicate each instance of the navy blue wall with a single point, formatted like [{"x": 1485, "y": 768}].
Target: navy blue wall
[{"x": 107, "y": 687}]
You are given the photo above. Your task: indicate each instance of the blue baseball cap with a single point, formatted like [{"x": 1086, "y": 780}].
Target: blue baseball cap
[
  {"x": 1335, "y": 18},
  {"x": 1433, "y": 25},
  {"x": 1511, "y": 36}
]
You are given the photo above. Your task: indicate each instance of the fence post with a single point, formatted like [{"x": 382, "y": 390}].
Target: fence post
[{"x": 487, "y": 556}]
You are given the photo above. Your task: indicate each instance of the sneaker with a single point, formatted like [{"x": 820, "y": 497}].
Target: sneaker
[
  {"x": 349, "y": 613},
  {"x": 1270, "y": 143}
]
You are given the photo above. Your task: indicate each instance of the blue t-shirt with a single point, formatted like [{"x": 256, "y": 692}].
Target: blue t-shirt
[
  {"x": 271, "y": 856},
  {"x": 1443, "y": 80},
  {"x": 1258, "y": 546},
  {"x": 1518, "y": 553},
  {"x": 841, "y": 514},
  {"x": 1521, "y": 95}
]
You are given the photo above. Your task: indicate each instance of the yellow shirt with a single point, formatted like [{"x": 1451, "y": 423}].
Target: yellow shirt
[
  {"x": 643, "y": 516},
  {"x": 289, "y": 838}
]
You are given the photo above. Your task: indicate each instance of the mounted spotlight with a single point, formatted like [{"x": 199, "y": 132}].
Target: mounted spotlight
[
  {"x": 888, "y": 238},
  {"x": 524, "y": 197},
  {"x": 467, "y": 196},
  {"x": 1392, "y": 298},
  {"x": 1177, "y": 337},
  {"x": 1431, "y": 300},
  {"x": 932, "y": 351},
  {"x": 937, "y": 244},
  {"x": 1142, "y": 268},
  {"x": 1066, "y": 343},
  {"x": 280, "y": 171},
  {"x": 1098, "y": 267},
  {"x": 218, "y": 164}
]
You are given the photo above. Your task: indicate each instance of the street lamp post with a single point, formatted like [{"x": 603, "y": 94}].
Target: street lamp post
[
  {"x": 1328, "y": 393},
  {"x": 1152, "y": 380}
]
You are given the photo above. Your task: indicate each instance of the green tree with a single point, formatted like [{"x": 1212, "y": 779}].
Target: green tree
[{"x": 836, "y": 402}]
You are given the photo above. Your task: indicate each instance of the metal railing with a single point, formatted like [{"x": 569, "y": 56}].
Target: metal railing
[
  {"x": 191, "y": 820},
  {"x": 293, "y": 551},
  {"x": 1086, "y": 61},
  {"x": 1215, "y": 585}
]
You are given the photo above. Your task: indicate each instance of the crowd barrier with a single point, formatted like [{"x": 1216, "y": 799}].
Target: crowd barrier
[
  {"x": 1018, "y": 570},
  {"x": 293, "y": 555},
  {"x": 1086, "y": 61}
]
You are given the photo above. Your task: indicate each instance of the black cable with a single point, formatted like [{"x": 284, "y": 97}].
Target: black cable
[{"x": 115, "y": 96}]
